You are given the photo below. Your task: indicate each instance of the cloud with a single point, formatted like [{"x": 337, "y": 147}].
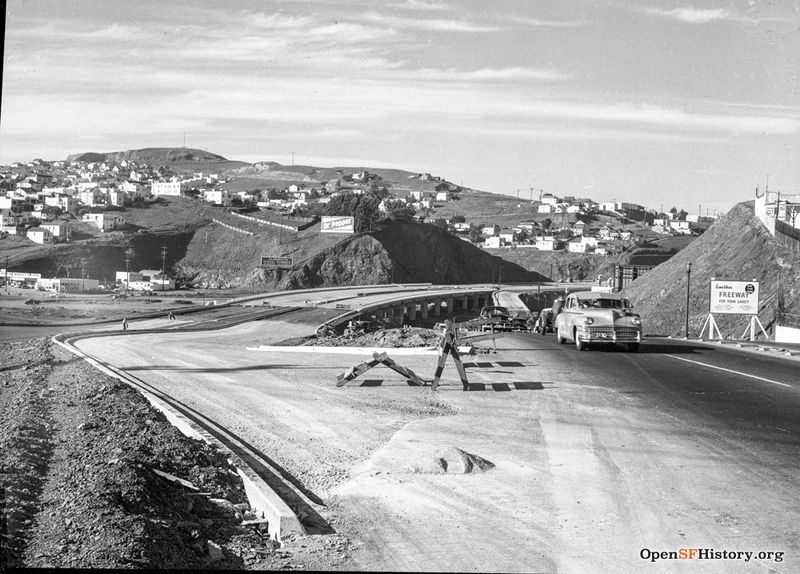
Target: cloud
[
  {"x": 426, "y": 24},
  {"x": 694, "y": 15},
  {"x": 422, "y": 5},
  {"x": 488, "y": 75},
  {"x": 537, "y": 23}
]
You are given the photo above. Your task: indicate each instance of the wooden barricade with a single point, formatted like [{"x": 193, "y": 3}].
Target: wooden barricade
[
  {"x": 379, "y": 359},
  {"x": 450, "y": 347}
]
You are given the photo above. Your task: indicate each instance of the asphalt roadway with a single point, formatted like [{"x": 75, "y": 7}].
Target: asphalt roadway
[{"x": 602, "y": 458}]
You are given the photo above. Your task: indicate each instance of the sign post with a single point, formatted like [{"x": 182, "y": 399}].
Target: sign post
[{"x": 733, "y": 298}]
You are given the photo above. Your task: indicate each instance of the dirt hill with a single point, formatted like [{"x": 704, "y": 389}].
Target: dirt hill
[
  {"x": 736, "y": 247},
  {"x": 403, "y": 253}
]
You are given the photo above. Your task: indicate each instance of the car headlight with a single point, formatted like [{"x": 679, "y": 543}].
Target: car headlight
[
  {"x": 588, "y": 321},
  {"x": 636, "y": 320}
]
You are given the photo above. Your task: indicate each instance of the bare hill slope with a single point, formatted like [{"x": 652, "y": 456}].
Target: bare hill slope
[{"x": 736, "y": 247}]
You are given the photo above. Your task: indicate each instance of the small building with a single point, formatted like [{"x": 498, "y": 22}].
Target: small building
[
  {"x": 545, "y": 208},
  {"x": 106, "y": 221},
  {"x": 168, "y": 188},
  {"x": 40, "y": 235},
  {"x": 67, "y": 284},
  {"x": 493, "y": 242},
  {"x": 60, "y": 230},
  {"x": 545, "y": 243}
]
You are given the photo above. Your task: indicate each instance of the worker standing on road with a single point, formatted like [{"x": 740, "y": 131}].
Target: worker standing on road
[
  {"x": 124, "y": 323},
  {"x": 406, "y": 321},
  {"x": 171, "y": 316}
]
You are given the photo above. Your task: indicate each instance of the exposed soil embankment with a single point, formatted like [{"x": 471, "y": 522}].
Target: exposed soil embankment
[
  {"x": 81, "y": 457},
  {"x": 736, "y": 247},
  {"x": 404, "y": 253}
]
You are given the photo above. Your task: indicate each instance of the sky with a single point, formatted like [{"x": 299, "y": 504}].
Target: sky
[{"x": 687, "y": 104}]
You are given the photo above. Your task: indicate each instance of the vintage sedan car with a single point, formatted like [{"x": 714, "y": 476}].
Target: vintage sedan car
[{"x": 593, "y": 318}]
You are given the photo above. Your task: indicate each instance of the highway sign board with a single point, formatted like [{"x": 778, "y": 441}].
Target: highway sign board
[
  {"x": 276, "y": 262},
  {"x": 734, "y": 297},
  {"x": 337, "y": 224}
]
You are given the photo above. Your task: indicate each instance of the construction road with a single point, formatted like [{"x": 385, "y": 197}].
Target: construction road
[{"x": 598, "y": 455}]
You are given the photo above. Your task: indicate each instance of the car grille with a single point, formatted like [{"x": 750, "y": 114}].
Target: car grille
[{"x": 622, "y": 333}]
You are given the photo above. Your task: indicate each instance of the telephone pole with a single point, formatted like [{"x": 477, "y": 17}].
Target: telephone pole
[
  {"x": 83, "y": 273},
  {"x": 128, "y": 257},
  {"x": 163, "y": 259}
]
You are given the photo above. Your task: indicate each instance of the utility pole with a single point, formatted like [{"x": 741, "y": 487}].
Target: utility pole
[
  {"x": 688, "y": 279},
  {"x": 163, "y": 259},
  {"x": 83, "y": 273},
  {"x": 128, "y": 257},
  {"x": 6, "y": 271}
]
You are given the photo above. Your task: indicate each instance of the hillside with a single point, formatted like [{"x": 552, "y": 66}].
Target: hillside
[
  {"x": 735, "y": 247},
  {"x": 175, "y": 157},
  {"x": 396, "y": 253}
]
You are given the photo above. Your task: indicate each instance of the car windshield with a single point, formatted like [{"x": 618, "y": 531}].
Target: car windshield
[{"x": 606, "y": 303}]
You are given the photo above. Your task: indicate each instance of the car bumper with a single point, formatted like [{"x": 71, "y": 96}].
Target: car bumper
[{"x": 609, "y": 335}]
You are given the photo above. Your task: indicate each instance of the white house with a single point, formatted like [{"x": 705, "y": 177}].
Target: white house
[
  {"x": 107, "y": 221},
  {"x": 545, "y": 243},
  {"x": 490, "y": 230},
  {"x": 40, "y": 235},
  {"x": 58, "y": 229},
  {"x": 545, "y": 208},
  {"x": 493, "y": 242},
  {"x": 506, "y": 235},
  {"x": 218, "y": 197},
  {"x": 442, "y": 196},
  {"x": 549, "y": 199},
  {"x": 681, "y": 227},
  {"x": 575, "y": 245},
  {"x": 92, "y": 197}
]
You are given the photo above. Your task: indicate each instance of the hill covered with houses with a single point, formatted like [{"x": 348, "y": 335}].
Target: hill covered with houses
[{"x": 121, "y": 198}]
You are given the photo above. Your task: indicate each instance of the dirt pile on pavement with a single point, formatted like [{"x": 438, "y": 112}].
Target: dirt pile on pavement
[
  {"x": 389, "y": 338},
  {"x": 736, "y": 247},
  {"x": 449, "y": 460},
  {"x": 87, "y": 477}
]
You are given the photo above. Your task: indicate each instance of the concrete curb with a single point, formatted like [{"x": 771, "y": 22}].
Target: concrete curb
[
  {"x": 348, "y": 350},
  {"x": 282, "y": 520}
]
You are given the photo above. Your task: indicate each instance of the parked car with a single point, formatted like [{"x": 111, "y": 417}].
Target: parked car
[
  {"x": 593, "y": 318},
  {"x": 499, "y": 316}
]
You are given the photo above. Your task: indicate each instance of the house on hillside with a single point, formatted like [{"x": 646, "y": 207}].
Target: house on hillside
[
  {"x": 545, "y": 208},
  {"x": 545, "y": 243},
  {"x": 60, "y": 230},
  {"x": 506, "y": 235},
  {"x": 40, "y": 235},
  {"x": 106, "y": 221},
  {"x": 493, "y": 242}
]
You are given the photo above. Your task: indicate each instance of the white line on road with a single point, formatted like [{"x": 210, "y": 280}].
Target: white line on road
[{"x": 731, "y": 371}]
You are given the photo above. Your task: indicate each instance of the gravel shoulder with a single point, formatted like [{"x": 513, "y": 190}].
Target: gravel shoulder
[{"x": 81, "y": 457}]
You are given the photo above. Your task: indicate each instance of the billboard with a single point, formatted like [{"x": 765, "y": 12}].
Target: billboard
[
  {"x": 276, "y": 262},
  {"x": 734, "y": 297},
  {"x": 337, "y": 224}
]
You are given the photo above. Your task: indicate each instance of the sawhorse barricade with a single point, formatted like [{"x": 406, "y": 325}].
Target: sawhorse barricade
[
  {"x": 379, "y": 359},
  {"x": 450, "y": 347}
]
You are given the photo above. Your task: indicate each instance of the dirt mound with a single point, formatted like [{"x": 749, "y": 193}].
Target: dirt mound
[
  {"x": 736, "y": 247},
  {"x": 449, "y": 460},
  {"x": 83, "y": 469},
  {"x": 390, "y": 338},
  {"x": 404, "y": 253}
]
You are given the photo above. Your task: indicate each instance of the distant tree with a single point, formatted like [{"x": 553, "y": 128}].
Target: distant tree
[
  {"x": 277, "y": 194},
  {"x": 547, "y": 223},
  {"x": 458, "y": 219},
  {"x": 363, "y": 208},
  {"x": 440, "y": 222},
  {"x": 475, "y": 234},
  {"x": 52, "y": 210}
]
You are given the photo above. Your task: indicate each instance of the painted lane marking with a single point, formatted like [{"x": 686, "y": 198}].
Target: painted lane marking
[{"x": 730, "y": 371}]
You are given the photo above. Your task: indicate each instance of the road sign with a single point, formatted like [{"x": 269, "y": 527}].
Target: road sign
[
  {"x": 734, "y": 297},
  {"x": 337, "y": 224},
  {"x": 276, "y": 262}
]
